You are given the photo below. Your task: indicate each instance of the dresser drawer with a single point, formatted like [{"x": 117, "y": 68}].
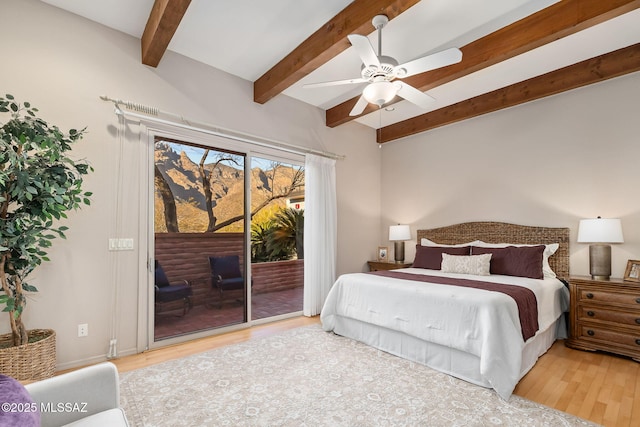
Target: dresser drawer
[
  {"x": 626, "y": 318},
  {"x": 589, "y": 295},
  {"x": 630, "y": 340}
]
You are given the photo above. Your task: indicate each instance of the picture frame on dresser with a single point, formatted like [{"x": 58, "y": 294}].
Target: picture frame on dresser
[
  {"x": 383, "y": 253},
  {"x": 632, "y": 272}
]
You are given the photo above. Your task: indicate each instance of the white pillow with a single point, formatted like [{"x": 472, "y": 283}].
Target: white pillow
[
  {"x": 466, "y": 264},
  {"x": 427, "y": 242},
  {"x": 549, "y": 250}
]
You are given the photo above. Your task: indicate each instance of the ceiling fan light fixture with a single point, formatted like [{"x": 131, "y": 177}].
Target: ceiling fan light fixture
[
  {"x": 381, "y": 71},
  {"x": 380, "y": 93}
]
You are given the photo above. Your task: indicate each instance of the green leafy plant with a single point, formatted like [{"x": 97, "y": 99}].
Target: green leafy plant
[
  {"x": 288, "y": 233},
  {"x": 279, "y": 237},
  {"x": 261, "y": 249},
  {"x": 39, "y": 183}
]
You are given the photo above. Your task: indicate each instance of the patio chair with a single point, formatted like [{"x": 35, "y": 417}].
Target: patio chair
[
  {"x": 226, "y": 274},
  {"x": 166, "y": 292}
]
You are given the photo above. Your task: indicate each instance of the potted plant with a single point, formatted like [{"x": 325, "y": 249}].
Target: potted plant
[{"x": 39, "y": 183}]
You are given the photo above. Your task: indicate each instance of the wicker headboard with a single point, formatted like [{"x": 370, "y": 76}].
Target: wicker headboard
[{"x": 500, "y": 232}]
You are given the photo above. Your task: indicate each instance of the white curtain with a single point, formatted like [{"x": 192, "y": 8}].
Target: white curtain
[{"x": 320, "y": 231}]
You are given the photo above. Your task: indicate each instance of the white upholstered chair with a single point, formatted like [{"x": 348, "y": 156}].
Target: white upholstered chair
[{"x": 89, "y": 396}]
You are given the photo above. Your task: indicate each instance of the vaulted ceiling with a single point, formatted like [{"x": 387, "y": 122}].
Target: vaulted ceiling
[{"x": 514, "y": 51}]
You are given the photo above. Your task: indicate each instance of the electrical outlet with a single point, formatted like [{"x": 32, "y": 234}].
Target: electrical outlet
[{"x": 83, "y": 330}]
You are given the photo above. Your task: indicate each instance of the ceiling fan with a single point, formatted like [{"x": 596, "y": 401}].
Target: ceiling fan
[{"x": 381, "y": 71}]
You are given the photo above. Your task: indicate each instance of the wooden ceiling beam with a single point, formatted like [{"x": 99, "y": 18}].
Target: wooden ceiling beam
[
  {"x": 162, "y": 24},
  {"x": 594, "y": 70},
  {"x": 552, "y": 23},
  {"x": 325, "y": 44}
]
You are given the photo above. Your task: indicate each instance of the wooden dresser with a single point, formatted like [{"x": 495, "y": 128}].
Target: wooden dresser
[{"x": 605, "y": 315}]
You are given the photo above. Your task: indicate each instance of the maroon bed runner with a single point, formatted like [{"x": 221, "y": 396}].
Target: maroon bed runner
[{"x": 524, "y": 298}]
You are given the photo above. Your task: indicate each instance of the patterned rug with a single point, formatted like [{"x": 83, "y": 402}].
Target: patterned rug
[{"x": 308, "y": 377}]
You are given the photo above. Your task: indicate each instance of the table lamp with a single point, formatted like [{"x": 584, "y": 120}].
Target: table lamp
[
  {"x": 599, "y": 232},
  {"x": 398, "y": 234}
]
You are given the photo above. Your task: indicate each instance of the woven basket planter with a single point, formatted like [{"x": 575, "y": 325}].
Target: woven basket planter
[{"x": 34, "y": 361}]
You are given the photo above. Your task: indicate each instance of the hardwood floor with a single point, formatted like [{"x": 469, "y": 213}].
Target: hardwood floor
[
  {"x": 151, "y": 357},
  {"x": 598, "y": 387}
]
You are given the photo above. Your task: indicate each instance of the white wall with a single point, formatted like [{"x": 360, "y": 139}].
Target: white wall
[
  {"x": 61, "y": 63},
  {"x": 550, "y": 162}
]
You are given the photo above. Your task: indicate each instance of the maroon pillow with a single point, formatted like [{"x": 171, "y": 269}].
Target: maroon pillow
[
  {"x": 521, "y": 261},
  {"x": 431, "y": 256}
]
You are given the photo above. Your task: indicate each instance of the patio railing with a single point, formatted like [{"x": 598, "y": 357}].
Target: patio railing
[{"x": 185, "y": 256}]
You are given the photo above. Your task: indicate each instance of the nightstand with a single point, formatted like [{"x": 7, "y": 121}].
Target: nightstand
[
  {"x": 384, "y": 265},
  {"x": 605, "y": 315}
]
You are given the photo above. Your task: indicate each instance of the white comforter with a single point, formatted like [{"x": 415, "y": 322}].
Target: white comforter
[{"x": 483, "y": 323}]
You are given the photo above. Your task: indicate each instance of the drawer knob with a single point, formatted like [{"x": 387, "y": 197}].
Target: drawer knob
[
  {"x": 638, "y": 342},
  {"x": 590, "y": 295},
  {"x": 638, "y": 300},
  {"x": 591, "y": 313},
  {"x": 591, "y": 333},
  {"x": 638, "y": 321}
]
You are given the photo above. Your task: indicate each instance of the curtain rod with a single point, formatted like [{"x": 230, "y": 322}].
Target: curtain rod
[{"x": 210, "y": 129}]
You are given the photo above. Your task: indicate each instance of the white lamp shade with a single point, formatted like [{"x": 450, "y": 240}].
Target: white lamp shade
[
  {"x": 600, "y": 230},
  {"x": 399, "y": 232},
  {"x": 379, "y": 93}
]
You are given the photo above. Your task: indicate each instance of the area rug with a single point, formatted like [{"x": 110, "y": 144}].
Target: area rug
[{"x": 308, "y": 377}]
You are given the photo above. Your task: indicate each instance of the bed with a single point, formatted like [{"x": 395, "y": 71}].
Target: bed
[{"x": 482, "y": 336}]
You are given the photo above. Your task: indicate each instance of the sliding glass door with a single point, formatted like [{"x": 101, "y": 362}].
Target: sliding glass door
[
  {"x": 277, "y": 236},
  {"x": 199, "y": 234},
  {"x": 227, "y": 237}
]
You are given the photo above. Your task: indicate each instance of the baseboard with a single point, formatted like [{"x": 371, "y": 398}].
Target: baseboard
[{"x": 91, "y": 360}]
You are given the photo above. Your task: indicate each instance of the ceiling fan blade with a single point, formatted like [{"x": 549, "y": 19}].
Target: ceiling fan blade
[
  {"x": 359, "y": 107},
  {"x": 413, "y": 95},
  {"x": 429, "y": 62},
  {"x": 335, "y": 83},
  {"x": 362, "y": 45}
]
